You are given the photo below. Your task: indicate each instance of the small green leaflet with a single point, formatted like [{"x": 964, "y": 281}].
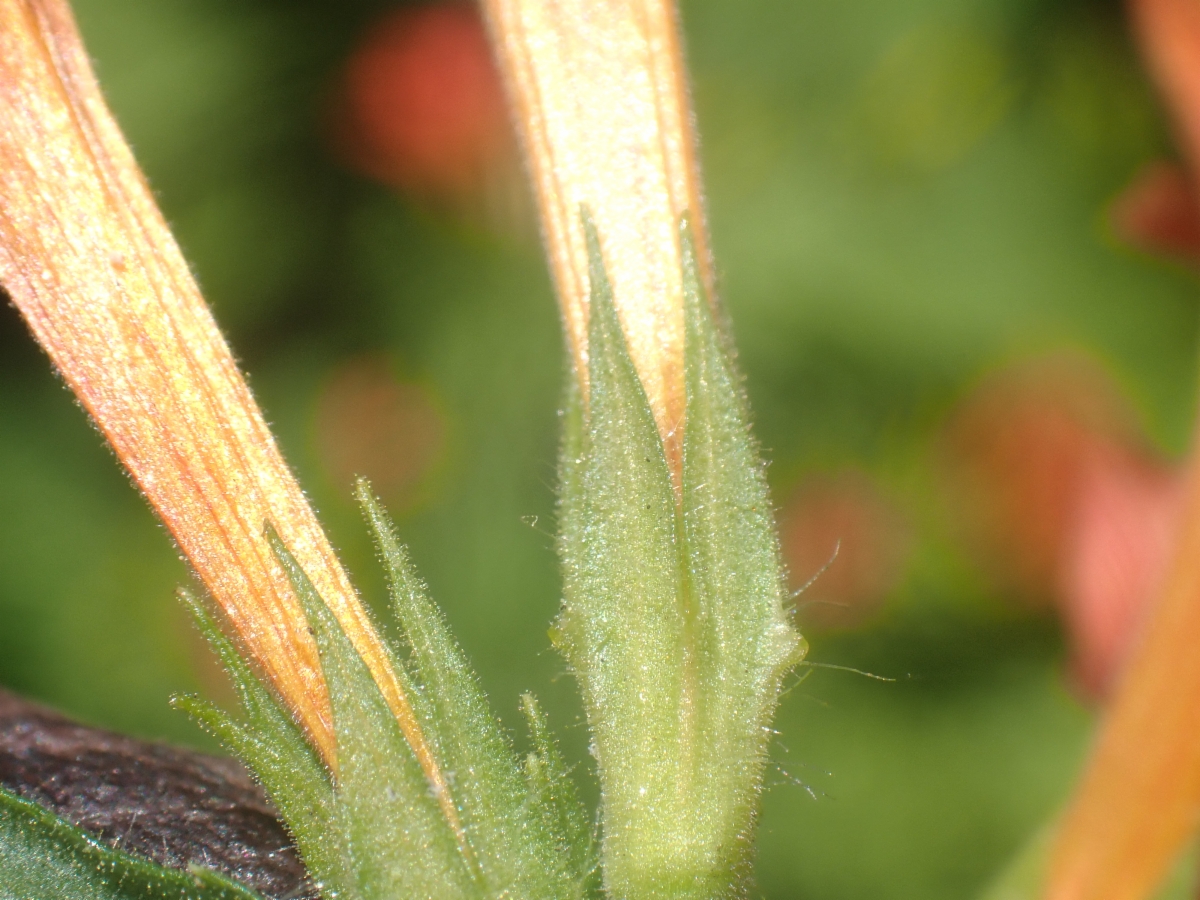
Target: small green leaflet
[{"x": 377, "y": 831}]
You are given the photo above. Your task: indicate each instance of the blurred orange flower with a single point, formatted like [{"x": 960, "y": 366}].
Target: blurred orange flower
[
  {"x": 370, "y": 424},
  {"x": 1060, "y": 497},
  {"x": 421, "y": 106},
  {"x": 1158, "y": 213},
  {"x": 1139, "y": 799}
]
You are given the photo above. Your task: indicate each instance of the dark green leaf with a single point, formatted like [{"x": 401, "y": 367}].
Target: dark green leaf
[{"x": 43, "y": 857}]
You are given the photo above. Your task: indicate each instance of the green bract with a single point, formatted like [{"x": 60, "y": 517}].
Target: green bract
[{"x": 674, "y": 617}]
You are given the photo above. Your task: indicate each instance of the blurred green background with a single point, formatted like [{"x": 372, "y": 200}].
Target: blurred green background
[{"x": 904, "y": 195}]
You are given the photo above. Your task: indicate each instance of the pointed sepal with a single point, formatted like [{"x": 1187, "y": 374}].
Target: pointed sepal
[
  {"x": 512, "y": 845},
  {"x": 399, "y": 841},
  {"x": 673, "y": 618}
]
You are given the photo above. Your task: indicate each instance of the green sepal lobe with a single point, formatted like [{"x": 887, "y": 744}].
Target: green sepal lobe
[
  {"x": 673, "y": 618},
  {"x": 513, "y": 844},
  {"x": 398, "y": 842}
]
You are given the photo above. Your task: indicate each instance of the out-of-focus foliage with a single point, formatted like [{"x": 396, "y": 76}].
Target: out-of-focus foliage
[{"x": 904, "y": 194}]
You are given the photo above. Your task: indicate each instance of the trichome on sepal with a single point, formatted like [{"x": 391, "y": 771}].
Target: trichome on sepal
[{"x": 673, "y": 618}]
